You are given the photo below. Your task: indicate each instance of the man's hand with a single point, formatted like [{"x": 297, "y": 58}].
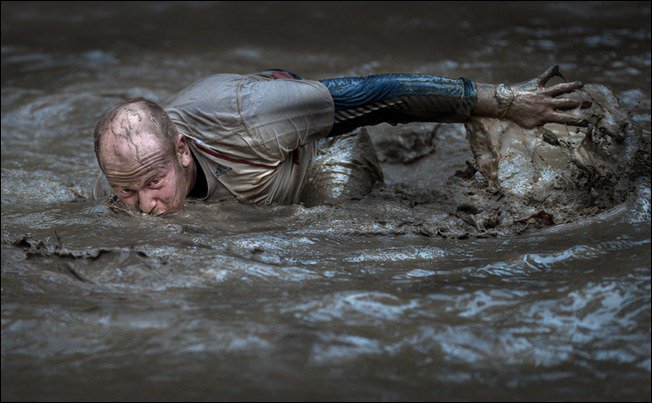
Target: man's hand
[
  {"x": 534, "y": 105},
  {"x": 531, "y": 104}
]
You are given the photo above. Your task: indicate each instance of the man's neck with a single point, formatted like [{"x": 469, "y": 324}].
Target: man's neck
[{"x": 199, "y": 188}]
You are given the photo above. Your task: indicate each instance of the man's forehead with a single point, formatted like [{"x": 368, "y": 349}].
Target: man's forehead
[
  {"x": 121, "y": 170},
  {"x": 129, "y": 139}
]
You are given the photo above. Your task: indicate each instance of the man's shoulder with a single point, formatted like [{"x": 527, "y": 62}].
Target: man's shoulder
[
  {"x": 227, "y": 79},
  {"x": 222, "y": 78},
  {"x": 209, "y": 86},
  {"x": 205, "y": 97}
]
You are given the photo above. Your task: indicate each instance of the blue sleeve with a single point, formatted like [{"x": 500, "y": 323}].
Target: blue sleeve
[{"x": 399, "y": 98}]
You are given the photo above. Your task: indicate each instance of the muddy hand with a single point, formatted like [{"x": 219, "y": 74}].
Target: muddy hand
[{"x": 531, "y": 104}]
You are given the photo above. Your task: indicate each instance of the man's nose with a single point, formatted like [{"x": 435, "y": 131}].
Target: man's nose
[{"x": 146, "y": 202}]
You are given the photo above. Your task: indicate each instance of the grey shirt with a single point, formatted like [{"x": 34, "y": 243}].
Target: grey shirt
[{"x": 253, "y": 135}]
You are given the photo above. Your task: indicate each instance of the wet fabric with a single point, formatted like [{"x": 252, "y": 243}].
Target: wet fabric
[
  {"x": 253, "y": 135},
  {"x": 399, "y": 98},
  {"x": 343, "y": 168}
]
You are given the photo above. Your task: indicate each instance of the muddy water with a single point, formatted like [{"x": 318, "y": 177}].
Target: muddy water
[{"x": 348, "y": 302}]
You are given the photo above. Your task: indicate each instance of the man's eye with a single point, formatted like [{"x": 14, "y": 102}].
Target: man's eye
[
  {"x": 126, "y": 192},
  {"x": 154, "y": 182}
]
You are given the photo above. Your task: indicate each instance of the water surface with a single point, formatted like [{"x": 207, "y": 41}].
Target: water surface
[{"x": 353, "y": 302}]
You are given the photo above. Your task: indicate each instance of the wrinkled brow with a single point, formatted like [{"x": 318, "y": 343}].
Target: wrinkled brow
[{"x": 150, "y": 163}]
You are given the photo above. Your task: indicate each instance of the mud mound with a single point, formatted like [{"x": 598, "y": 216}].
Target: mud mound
[{"x": 522, "y": 179}]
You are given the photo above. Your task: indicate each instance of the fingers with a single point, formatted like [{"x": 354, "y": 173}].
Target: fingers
[
  {"x": 548, "y": 74},
  {"x": 567, "y": 103},
  {"x": 562, "y": 88},
  {"x": 567, "y": 119}
]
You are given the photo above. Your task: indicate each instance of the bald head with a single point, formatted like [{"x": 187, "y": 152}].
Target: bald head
[{"x": 122, "y": 128}]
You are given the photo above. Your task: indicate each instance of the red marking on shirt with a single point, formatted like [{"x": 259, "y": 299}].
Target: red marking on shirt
[
  {"x": 232, "y": 159},
  {"x": 280, "y": 74}
]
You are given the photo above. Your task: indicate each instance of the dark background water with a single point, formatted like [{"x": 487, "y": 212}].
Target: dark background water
[{"x": 224, "y": 302}]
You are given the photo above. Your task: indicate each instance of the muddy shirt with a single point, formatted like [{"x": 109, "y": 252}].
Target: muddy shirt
[{"x": 253, "y": 135}]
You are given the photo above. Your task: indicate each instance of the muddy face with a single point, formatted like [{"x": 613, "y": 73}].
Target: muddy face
[
  {"x": 145, "y": 176},
  {"x": 144, "y": 169}
]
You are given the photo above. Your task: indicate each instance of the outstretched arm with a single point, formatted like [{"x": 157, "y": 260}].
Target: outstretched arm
[{"x": 403, "y": 98}]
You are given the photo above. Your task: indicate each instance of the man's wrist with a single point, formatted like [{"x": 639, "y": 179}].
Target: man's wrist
[
  {"x": 504, "y": 98},
  {"x": 487, "y": 105}
]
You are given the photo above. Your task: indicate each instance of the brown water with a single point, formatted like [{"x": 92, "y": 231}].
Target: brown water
[{"x": 351, "y": 302}]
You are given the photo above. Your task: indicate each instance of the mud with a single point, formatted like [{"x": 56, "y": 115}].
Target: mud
[
  {"x": 519, "y": 180},
  {"x": 554, "y": 174},
  {"x": 509, "y": 265}
]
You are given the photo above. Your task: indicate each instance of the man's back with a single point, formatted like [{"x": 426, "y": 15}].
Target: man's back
[{"x": 252, "y": 134}]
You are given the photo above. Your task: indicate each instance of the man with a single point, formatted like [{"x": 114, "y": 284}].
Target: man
[{"x": 253, "y": 136}]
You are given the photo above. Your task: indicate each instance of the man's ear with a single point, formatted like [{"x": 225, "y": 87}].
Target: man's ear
[{"x": 183, "y": 151}]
